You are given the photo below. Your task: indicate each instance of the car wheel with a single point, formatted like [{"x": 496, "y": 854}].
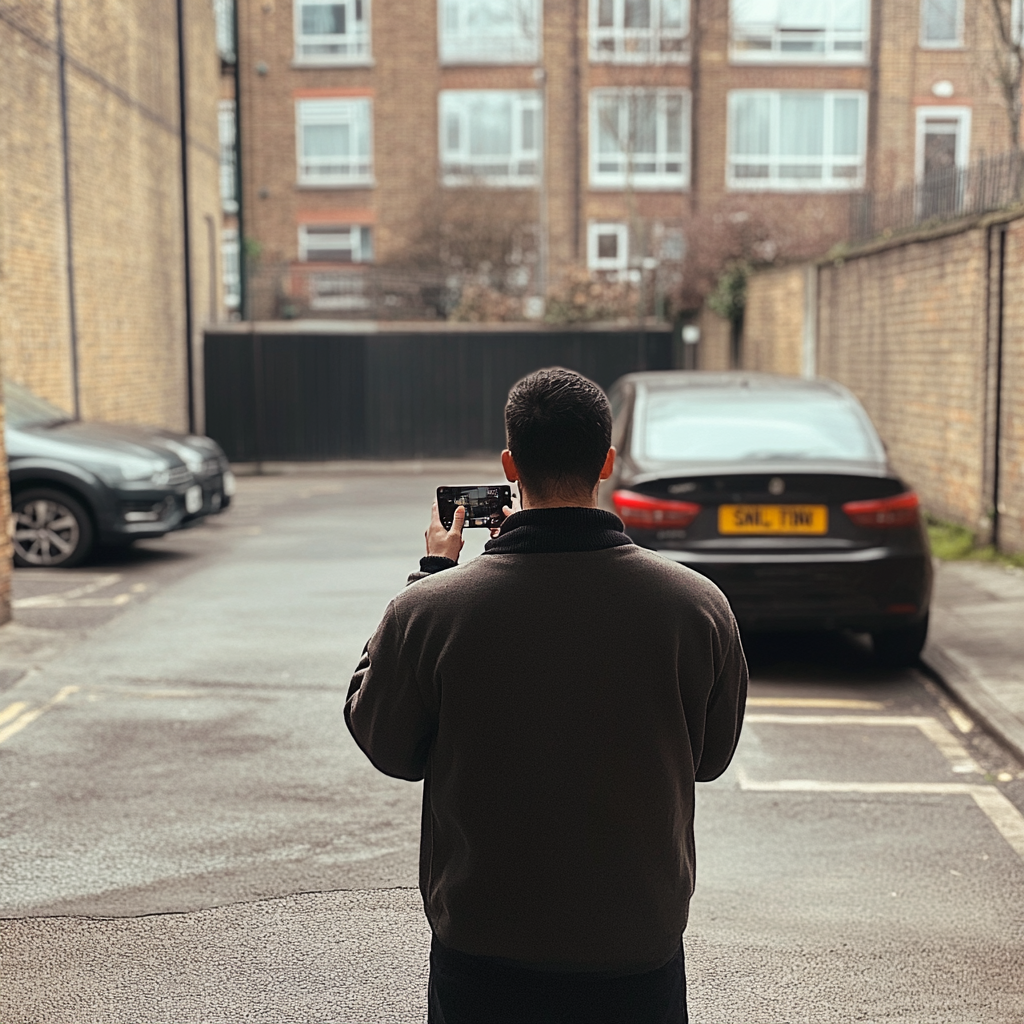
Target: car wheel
[
  {"x": 900, "y": 648},
  {"x": 51, "y": 529}
]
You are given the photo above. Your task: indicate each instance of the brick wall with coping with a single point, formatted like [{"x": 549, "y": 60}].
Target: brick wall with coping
[{"x": 910, "y": 326}]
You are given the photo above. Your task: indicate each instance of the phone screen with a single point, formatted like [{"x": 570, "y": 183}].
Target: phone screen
[{"x": 483, "y": 504}]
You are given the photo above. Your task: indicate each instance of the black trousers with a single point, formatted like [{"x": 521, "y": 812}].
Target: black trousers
[{"x": 468, "y": 989}]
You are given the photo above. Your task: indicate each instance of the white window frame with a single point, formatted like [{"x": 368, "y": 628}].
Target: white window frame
[
  {"x": 335, "y": 110},
  {"x": 615, "y": 44},
  {"x": 774, "y": 182},
  {"x": 359, "y": 241},
  {"x": 360, "y": 41},
  {"x": 224, "y": 21},
  {"x": 456, "y": 165},
  {"x": 468, "y": 47},
  {"x": 778, "y": 36},
  {"x": 595, "y": 262},
  {"x": 963, "y": 137},
  {"x": 658, "y": 180},
  {"x": 942, "y": 44},
  {"x": 231, "y": 270},
  {"x": 228, "y": 163}
]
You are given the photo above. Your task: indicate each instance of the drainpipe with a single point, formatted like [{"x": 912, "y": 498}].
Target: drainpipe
[
  {"x": 243, "y": 277},
  {"x": 65, "y": 141},
  {"x": 997, "y": 412},
  {"x": 186, "y": 214}
]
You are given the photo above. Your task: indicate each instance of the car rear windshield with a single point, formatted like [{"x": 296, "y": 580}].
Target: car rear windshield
[
  {"x": 722, "y": 426},
  {"x": 24, "y": 409}
]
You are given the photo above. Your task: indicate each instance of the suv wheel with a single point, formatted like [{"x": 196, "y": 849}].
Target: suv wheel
[
  {"x": 51, "y": 529},
  {"x": 900, "y": 648}
]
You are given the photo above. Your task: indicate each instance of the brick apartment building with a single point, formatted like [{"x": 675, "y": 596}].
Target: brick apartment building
[{"x": 616, "y": 131}]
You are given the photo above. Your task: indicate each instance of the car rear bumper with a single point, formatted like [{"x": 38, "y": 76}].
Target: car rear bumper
[{"x": 866, "y": 589}]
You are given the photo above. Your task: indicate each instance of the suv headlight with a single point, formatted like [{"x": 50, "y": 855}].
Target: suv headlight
[{"x": 142, "y": 469}]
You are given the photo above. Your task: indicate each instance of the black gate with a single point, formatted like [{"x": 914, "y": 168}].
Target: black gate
[{"x": 388, "y": 395}]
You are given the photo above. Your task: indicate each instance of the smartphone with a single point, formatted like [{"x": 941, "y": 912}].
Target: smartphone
[{"x": 483, "y": 504}]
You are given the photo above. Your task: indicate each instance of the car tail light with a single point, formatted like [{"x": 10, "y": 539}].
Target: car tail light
[
  {"x": 900, "y": 510},
  {"x": 647, "y": 513}
]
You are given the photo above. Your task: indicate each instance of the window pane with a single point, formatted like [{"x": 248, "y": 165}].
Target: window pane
[
  {"x": 846, "y": 130},
  {"x": 755, "y": 12},
  {"x": 751, "y": 124},
  {"x": 637, "y": 13},
  {"x": 671, "y": 13},
  {"x": 607, "y": 246},
  {"x": 490, "y": 127},
  {"x": 326, "y": 140},
  {"x": 323, "y": 19},
  {"x": 529, "y": 129},
  {"x": 940, "y": 20},
  {"x": 674, "y": 124},
  {"x": 849, "y": 15},
  {"x": 451, "y": 131},
  {"x": 609, "y": 133},
  {"x": 606, "y": 13},
  {"x": 644, "y": 127},
  {"x": 801, "y": 125},
  {"x": 803, "y": 14}
]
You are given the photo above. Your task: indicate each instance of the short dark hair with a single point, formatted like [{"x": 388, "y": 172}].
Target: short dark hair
[{"x": 559, "y": 429}]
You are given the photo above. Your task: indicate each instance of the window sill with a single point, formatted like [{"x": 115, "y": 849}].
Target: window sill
[
  {"x": 798, "y": 60},
  {"x": 662, "y": 185},
  {"x": 634, "y": 60},
  {"x": 820, "y": 188},
  {"x": 958, "y": 45},
  {"x": 335, "y": 186},
  {"x": 309, "y": 64},
  {"x": 464, "y": 180},
  {"x": 487, "y": 62}
]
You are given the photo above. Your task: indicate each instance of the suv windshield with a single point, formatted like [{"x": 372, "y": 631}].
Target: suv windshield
[
  {"x": 23, "y": 409},
  {"x": 721, "y": 426}
]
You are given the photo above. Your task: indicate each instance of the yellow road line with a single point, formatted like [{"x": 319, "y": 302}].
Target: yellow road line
[
  {"x": 12, "y": 711},
  {"x": 814, "y": 702},
  {"x": 30, "y": 716}
]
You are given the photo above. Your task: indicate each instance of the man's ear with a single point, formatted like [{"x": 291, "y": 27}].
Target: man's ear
[
  {"x": 609, "y": 464},
  {"x": 508, "y": 464}
]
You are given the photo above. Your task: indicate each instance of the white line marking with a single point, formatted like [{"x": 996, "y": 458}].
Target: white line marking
[
  {"x": 12, "y": 711},
  {"x": 37, "y": 603},
  {"x": 106, "y": 580},
  {"x": 30, "y": 716},
  {"x": 951, "y": 748},
  {"x": 959, "y": 719},
  {"x": 998, "y": 809},
  {"x": 814, "y": 702}
]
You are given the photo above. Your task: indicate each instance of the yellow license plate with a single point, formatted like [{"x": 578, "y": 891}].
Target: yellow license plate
[{"x": 773, "y": 519}]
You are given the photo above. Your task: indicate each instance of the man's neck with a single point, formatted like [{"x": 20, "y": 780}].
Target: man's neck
[{"x": 558, "y": 501}]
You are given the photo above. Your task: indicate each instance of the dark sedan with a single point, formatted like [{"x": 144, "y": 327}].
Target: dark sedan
[
  {"x": 779, "y": 490},
  {"x": 76, "y": 484}
]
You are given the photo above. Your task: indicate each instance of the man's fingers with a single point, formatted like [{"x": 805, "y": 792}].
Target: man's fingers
[{"x": 458, "y": 519}]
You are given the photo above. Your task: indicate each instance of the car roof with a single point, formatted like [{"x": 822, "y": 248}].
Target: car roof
[{"x": 730, "y": 380}]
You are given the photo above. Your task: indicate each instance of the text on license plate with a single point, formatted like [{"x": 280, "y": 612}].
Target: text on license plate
[{"x": 773, "y": 519}]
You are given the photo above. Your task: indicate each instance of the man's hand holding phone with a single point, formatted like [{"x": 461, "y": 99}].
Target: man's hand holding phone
[{"x": 442, "y": 542}]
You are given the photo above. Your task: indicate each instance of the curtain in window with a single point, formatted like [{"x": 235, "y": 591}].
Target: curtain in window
[
  {"x": 801, "y": 125},
  {"x": 637, "y": 14},
  {"x": 323, "y": 19},
  {"x": 751, "y": 126},
  {"x": 846, "y": 127},
  {"x": 849, "y": 15},
  {"x": 490, "y": 126},
  {"x": 671, "y": 13},
  {"x": 809, "y": 14},
  {"x": 611, "y": 137},
  {"x": 327, "y": 140},
  {"x": 756, "y": 12}
]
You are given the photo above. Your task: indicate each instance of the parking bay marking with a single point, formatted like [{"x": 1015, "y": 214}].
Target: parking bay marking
[
  {"x": 815, "y": 702},
  {"x": 997, "y": 808},
  {"x": 951, "y": 748},
  {"x": 28, "y": 717},
  {"x": 79, "y": 595}
]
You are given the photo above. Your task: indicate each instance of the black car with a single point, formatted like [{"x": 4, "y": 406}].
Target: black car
[
  {"x": 779, "y": 490},
  {"x": 76, "y": 484}
]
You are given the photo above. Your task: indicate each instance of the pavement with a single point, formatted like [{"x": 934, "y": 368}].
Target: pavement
[
  {"x": 976, "y": 644},
  {"x": 189, "y": 833}
]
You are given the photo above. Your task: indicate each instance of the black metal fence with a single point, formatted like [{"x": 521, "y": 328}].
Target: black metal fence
[
  {"x": 279, "y": 395},
  {"x": 989, "y": 184}
]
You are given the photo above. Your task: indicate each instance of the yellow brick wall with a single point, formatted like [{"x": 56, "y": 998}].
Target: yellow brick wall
[
  {"x": 905, "y": 330},
  {"x": 714, "y": 350},
  {"x": 1011, "y": 490},
  {"x": 773, "y": 321},
  {"x": 126, "y": 201}
]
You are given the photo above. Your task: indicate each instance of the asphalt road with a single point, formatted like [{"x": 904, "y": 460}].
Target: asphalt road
[{"x": 187, "y": 832}]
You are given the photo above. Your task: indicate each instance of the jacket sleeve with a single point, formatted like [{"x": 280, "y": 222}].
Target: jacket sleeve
[
  {"x": 385, "y": 710},
  {"x": 726, "y": 704}
]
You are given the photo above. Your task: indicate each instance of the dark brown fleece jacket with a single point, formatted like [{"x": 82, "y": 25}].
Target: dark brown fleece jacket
[{"x": 559, "y": 695}]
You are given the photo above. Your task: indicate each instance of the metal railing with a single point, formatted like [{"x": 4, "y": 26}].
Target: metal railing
[{"x": 989, "y": 184}]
